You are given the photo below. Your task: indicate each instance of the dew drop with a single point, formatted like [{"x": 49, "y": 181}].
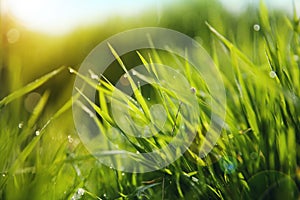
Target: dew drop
[
  {"x": 123, "y": 174},
  {"x": 80, "y": 191},
  {"x": 71, "y": 70},
  {"x": 21, "y": 124},
  {"x": 70, "y": 139},
  {"x": 125, "y": 76},
  {"x": 37, "y": 133},
  {"x": 134, "y": 73},
  {"x": 272, "y": 74},
  {"x": 193, "y": 90},
  {"x": 148, "y": 98},
  {"x": 3, "y": 175},
  {"x": 256, "y": 27},
  {"x": 195, "y": 179},
  {"x": 94, "y": 76}
]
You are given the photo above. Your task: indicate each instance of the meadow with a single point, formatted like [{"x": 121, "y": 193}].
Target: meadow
[{"x": 257, "y": 54}]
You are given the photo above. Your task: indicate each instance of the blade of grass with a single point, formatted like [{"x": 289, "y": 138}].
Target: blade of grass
[{"x": 29, "y": 87}]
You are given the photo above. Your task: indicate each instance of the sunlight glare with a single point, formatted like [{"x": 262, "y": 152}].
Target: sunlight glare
[{"x": 36, "y": 14}]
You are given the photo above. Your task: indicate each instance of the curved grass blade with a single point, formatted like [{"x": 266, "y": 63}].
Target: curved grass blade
[{"x": 31, "y": 86}]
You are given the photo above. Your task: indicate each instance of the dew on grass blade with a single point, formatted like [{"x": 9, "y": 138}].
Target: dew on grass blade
[
  {"x": 272, "y": 74},
  {"x": 37, "y": 132},
  {"x": 94, "y": 76},
  {"x": 193, "y": 90},
  {"x": 81, "y": 191},
  {"x": 256, "y": 27},
  {"x": 71, "y": 70},
  {"x": 78, "y": 195},
  {"x": 134, "y": 73},
  {"x": 195, "y": 179},
  {"x": 20, "y": 125},
  {"x": 70, "y": 139}
]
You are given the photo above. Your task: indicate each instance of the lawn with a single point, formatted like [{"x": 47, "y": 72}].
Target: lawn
[{"x": 234, "y": 134}]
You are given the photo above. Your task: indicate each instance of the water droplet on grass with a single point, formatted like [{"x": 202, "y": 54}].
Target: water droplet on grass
[
  {"x": 80, "y": 191},
  {"x": 37, "y": 133},
  {"x": 193, "y": 90},
  {"x": 94, "y": 76},
  {"x": 21, "y": 124},
  {"x": 148, "y": 98},
  {"x": 272, "y": 74},
  {"x": 70, "y": 139},
  {"x": 256, "y": 27},
  {"x": 195, "y": 179},
  {"x": 71, "y": 70},
  {"x": 134, "y": 73},
  {"x": 78, "y": 195}
]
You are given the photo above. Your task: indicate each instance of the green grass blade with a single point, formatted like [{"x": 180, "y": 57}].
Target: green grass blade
[
  {"x": 138, "y": 95},
  {"x": 31, "y": 86}
]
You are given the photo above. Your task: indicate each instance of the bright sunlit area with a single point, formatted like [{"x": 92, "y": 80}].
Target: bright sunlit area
[{"x": 57, "y": 17}]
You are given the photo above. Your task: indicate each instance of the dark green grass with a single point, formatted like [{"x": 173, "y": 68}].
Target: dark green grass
[{"x": 257, "y": 155}]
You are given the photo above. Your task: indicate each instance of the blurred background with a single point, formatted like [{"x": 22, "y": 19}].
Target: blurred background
[{"x": 39, "y": 36}]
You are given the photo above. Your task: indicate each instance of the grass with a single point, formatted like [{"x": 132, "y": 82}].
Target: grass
[{"x": 257, "y": 155}]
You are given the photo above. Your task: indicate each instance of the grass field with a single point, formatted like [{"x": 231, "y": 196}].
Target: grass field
[{"x": 257, "y": 154}]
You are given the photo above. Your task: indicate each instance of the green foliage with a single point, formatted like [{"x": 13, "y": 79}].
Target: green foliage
[{"x": 257, "y": 155}]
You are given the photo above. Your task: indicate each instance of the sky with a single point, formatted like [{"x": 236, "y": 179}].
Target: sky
[{"x": 61, "y": 16}]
